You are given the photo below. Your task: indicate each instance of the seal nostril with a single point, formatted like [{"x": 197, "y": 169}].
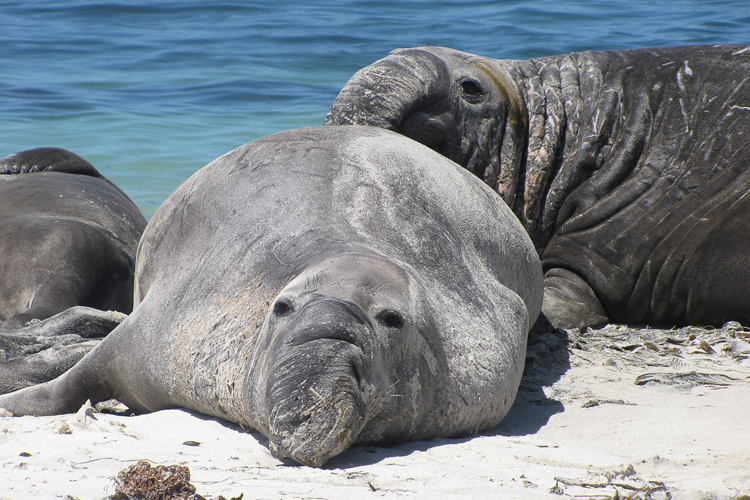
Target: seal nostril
[
  {"x": 282, "y": 308},
  {"x": 391, "y": 319}
]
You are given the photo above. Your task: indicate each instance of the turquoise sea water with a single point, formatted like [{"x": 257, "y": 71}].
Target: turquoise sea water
[{"x": 150, "y": 91}]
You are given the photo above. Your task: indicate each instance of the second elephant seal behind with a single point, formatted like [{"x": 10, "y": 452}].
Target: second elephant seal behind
[
  {"x": 326, "y": 286},
  {"x": 68, "y": 239},
  {"x": 630, "y": 169}
]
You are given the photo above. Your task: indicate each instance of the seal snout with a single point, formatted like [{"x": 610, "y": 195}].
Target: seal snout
[{"x": 314, "y": 395}]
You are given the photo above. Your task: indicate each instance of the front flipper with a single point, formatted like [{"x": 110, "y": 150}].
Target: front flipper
[
  {"x": 569, "y": 302},
  {"x": 44, "y": 350},
  {"x": 46, "y": 160},
  {"x": 65, "y": 394}
]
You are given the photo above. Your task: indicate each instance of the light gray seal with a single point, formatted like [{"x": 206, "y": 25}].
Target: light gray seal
[
  {"x": 325, "y": 286},
  {"x": 630, "y": 169},
  {"x": 68, "y": 239}
]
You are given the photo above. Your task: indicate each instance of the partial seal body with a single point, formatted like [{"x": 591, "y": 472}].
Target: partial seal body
[
  {"x": 326, "y": 286},
  {"x": 68, "y": 239},
  {"x": 629, "y": 169}
]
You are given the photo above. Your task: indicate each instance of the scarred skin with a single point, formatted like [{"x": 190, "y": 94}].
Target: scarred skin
[
  {"x": 628, "y": 169},
  {"x": 325, "y": 286},
  {"x": 68, "y": 238}
]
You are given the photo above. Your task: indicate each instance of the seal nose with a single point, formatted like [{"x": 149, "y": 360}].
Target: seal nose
[
  {"x": 326, "y": 318},
  {"x": 313, "y": 390}
]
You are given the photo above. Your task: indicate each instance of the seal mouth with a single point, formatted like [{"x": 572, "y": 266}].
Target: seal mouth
[
  {"x": 329, "y": 423},
  {"x": 426, "y": 129}
]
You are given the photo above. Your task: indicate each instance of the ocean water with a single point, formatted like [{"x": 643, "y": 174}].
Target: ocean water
[{"x": 150, "y": 91}]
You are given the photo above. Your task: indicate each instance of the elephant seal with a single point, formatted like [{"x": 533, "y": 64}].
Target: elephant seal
[
  {"x": 629, "y": 168},
  {"x": 325, "y": 286},
  {"x": 68, "y": 239}
]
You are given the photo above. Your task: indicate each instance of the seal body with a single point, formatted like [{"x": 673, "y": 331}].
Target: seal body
[
  {"x": 68, "y": 239},
  {"x": 325, "y": 286},
  {"x": 629, "y": 169}
]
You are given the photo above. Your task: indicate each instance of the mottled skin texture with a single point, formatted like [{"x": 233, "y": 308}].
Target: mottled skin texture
[
  {"x": 68, "y": 239},
  {"x": 629, "y": 169},
  {"x": 326, "y": 286}
]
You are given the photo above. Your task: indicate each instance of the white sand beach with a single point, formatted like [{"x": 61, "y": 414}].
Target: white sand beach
[{"x": 612, "y": 413}]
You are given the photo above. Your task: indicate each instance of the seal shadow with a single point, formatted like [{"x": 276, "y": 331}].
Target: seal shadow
[{"x": 547, "y": 359}]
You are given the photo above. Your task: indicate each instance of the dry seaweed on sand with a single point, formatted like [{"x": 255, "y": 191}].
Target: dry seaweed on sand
[
  {"x": 612, "y": 485},
  {"x": 162, "y": 482},
  {"x": 664, "y": 347}
]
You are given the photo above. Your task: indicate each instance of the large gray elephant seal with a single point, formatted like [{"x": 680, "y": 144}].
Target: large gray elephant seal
[
  {"x": 325, "y": 286},
  {"x": 629, "y": 169},
  {"x": 68, "y": 239}
]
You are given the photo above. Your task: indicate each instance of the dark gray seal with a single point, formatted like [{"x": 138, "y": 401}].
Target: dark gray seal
[
  {"x": 326, "y": 286},
  {"x": 629, "y": 169},
  {"x": 68, "y": 239}
]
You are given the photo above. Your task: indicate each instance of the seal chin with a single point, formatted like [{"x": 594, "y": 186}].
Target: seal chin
[{"x": 324, "y": 425}]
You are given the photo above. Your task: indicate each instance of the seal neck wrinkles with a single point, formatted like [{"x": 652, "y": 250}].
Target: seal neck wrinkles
[
  {"x": 559, "y": 154},
  {"x": 513, "y": 133}
]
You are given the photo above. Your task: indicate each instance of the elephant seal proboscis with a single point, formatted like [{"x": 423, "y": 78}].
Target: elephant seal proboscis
[
  {"x": 630, "y": 169},
  {"x": 325, "y": 286},
  {"x": 68, "y": 239}
]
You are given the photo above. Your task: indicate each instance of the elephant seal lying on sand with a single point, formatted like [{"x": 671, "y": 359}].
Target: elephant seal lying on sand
[
  {"x": 325, "y": 286},
  {"x": 629, "y": 169},
  {"x": 68, "y": 239}
]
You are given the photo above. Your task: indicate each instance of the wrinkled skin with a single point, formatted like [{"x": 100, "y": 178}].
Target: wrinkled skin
[
  {"x": 68, "y": 239},
  {"x": 628, "y": 169},
  {"x": 328, "y": 287}
]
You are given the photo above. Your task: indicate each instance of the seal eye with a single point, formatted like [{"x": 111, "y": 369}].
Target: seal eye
[
  {"x": 391, "y": 319},
  {"x": 282, "y": 308},
  {"x": 471, "y": 91}
]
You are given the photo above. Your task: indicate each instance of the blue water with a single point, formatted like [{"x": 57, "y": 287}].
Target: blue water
[{"x": 150, "y": 91}]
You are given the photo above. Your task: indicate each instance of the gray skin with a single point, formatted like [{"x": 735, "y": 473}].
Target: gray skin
[
  {"x": 68, "y": 238},
  {"x": 629, "y": 169},
  {"x": 325, "y": 286}
]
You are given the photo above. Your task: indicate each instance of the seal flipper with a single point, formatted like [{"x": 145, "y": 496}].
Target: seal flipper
[
  {"x": 87, "y": 380},
  {"x": 570, "y": 302},
  {"x": 45, "y": 349},
  {"x": 46, "y": 160},
  {"x": 86, "y": 322},
  {"x": 65, "y": 394}
]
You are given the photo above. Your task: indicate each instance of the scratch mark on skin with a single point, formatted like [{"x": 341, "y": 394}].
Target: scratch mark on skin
[
  {"x": 679, "y": 81},
  {"x": 278, "y": 258},
  {"x": 686, "y": 71},
  {"x": 684, "y": 115},
  {"x": 314, "y": 281}
]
